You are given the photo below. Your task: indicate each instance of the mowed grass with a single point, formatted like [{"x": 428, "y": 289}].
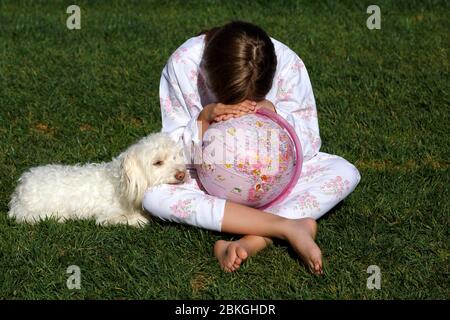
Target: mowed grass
[{"x": 85, "y": 95}]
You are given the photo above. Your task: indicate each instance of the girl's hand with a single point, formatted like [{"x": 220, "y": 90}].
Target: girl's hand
[
  {"x": 221, "y": 112},
  {"x": 265, "y": 104},
  {"x": 236, "y": 110}
]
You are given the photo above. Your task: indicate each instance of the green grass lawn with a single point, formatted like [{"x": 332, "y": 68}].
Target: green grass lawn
[{"x": 85, "y": 95}]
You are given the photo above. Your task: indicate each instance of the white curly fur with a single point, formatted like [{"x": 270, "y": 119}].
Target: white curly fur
[{"x": 111, "y": 193}]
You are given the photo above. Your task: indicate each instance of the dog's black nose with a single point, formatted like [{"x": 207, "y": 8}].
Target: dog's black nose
[{"x": 180, "y": 175}]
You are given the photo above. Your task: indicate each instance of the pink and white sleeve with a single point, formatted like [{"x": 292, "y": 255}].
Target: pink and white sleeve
[
  {"x": 180, "y": 103},
  {"x": 294, "y": 101}
]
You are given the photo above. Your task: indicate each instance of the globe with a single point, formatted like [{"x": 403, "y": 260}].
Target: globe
[{"x": 254, "y": 160}]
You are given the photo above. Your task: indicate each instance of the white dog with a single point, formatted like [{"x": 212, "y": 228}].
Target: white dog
[{"x": 109, "y": 192}]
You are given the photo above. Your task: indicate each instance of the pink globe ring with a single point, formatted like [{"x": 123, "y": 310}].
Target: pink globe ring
[
  {"x": 298, "y": 155},
  {"x": 251, "y": 182}
]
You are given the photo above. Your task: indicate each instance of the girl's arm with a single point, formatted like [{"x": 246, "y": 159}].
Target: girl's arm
[
  {"x": 183, "y": 116},
  {"x": 180, "y": 103},
  {"x": 293, "y": 99}
]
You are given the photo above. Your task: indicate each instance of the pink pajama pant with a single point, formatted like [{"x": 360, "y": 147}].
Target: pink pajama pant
[{"x": 325, "y": 181}]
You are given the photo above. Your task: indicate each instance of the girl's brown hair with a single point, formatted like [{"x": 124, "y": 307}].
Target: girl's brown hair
[{"x": 240, "y": 61}]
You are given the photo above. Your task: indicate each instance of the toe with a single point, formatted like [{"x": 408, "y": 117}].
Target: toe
[
  {"x": 229, "y": 262},
  {"x": 231, "y": 254},
  {"x": 320, "y": 268},
  {"x": 317, "y": 267},
  {"x": 241, "y": 253}
]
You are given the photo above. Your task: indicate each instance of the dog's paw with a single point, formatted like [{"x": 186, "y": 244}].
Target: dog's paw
[
  {"x": 133, "y": 220},
  {"x": 137, "y": 220}
]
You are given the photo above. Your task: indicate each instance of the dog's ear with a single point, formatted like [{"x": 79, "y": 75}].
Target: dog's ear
[
  {"x": 132, "y": 179},
  {"x": 180, "y": 144},
  {"x": 181, "y": 152}
]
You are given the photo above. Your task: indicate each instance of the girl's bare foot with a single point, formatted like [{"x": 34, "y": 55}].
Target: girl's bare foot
[
  {"x": 301, "y": 234},
  {"x": 230, "y": 254}
]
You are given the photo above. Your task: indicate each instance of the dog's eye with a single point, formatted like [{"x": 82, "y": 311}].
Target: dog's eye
[{"x": 158, "y": 163}]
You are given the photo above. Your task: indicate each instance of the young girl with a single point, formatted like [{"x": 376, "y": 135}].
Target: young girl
[{"x": 231, "y": 71}]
